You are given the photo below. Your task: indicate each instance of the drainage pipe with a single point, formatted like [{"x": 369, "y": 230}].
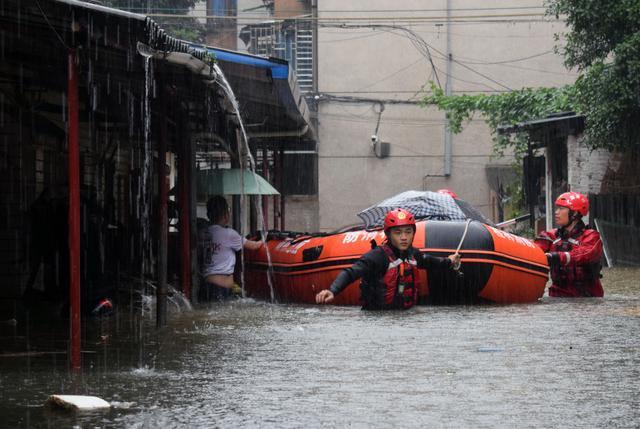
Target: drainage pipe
[{"x": 447, "y": 91}]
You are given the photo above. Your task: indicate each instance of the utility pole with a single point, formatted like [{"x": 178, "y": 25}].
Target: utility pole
[{"x": 447, "y": 90}]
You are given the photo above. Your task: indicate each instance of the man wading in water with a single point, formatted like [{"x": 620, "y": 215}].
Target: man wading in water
[
  {"x": 387, "y": 271},
  {"x": 218, "y": 246}
]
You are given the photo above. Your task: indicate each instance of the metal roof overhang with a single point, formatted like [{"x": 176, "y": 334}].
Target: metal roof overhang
[
  {"x": 544, "y": 131},
  {"x": 271, "y": 104}
]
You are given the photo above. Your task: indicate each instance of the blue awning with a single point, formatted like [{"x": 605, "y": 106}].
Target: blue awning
[
  {"x": 271, "y": 104},
  {"x": 279, "y": 69}
]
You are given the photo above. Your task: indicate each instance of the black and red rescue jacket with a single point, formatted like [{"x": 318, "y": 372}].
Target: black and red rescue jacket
[
  {"x": 388, "y": 277},
  {"x": 575, "y": 261}
]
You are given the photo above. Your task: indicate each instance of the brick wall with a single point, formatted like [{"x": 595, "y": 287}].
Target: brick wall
[
  {"x": 601, "y": 171},
  {"x": 586, "y": 168}
]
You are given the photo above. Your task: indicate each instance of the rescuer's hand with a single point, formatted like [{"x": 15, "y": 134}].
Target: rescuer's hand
[
  {"x": 455, "y": 261},
  {"x": 324, "y": 297},
  {"x": 553, "y": 259}
]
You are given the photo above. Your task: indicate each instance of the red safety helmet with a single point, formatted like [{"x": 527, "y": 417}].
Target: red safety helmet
[
  {"x": 574, "y": 201},
  {"x": 399, "y": 217},
  {"x": 447, "y": 192}
]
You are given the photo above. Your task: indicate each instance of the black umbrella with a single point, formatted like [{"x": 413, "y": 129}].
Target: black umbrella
[{"x": 423, "y": 205}]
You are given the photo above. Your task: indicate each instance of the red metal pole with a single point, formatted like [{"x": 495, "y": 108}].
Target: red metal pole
[
  {"x": 276, "y": 182},
  {"x": 161, "y": 291},
  {"x": 265, "y": 199},
  {"x": 282, "y": 197},
  {"x": 74, "y": 211}
]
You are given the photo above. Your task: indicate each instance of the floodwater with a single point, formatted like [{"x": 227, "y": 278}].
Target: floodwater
[{"x": 555, "y": 363}]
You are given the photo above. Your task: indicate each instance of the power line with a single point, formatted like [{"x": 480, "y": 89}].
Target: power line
[
  {"x": 538, "y": 70},
  {"x": 402, "y": 91},
  {"x": 354, "y": 18},
  {"x": 440, "y": 33},
  {"x": 464, "y": 80},
  {"x": 417, "y": 40},
  {"x": 391, "y": 75},
  {"x": 358, "y": 100},
  {"x": 480, "y": 74},
  {"x": 422, "y": 46},
  {"x": 515, "y": 60},
  {"x": 235, "y": 10}
]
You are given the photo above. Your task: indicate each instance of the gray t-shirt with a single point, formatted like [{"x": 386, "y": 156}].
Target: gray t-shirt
[{"x": 218, "y": 247}]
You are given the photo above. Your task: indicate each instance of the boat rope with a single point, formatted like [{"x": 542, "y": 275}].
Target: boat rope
[{"x": 464, "y": 235}]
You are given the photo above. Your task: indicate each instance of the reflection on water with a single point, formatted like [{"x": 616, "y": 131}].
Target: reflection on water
[{"x": 556, "y": 363}]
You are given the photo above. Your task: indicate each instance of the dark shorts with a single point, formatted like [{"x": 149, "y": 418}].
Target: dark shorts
[{"x": 209, "y": 292}]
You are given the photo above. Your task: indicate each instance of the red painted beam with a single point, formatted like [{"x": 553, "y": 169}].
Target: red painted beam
[
  {"x": 282, "y": 197},
  {"x": 265, "y": 199},
  {"x": 163, "y": 223},
  {"x": 74, "y": 211}
]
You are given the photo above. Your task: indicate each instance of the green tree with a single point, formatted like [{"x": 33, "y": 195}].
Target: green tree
[{"x": 603, "y": 42}]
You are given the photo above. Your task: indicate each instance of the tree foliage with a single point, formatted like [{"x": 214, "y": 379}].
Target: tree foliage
[
  {"x": 603, "y": 43},
  {"x": 596, "y": 28}
]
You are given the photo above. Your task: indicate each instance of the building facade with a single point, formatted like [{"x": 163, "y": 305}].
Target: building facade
[{"x": 371, "y": 64}]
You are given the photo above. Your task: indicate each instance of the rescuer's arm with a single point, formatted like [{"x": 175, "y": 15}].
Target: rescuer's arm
[
  {"x": 426, "y": 261},
  {"x": 374, "y": 260},
  {"x": 544, "y": 241},
  {"x": 587, "y": 252}
]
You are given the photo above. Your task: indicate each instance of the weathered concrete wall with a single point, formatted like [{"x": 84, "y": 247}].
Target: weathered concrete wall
[
  {"x": 379, "y": 64},
  {"x": 291, "y": 8},
  {"x": 301, "y": 213}
]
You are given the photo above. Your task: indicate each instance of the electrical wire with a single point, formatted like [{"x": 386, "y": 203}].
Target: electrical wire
[
  {"x": 467, "y": 9},
  {"x": 565, "y": 73},
  {"x": 421, "y": 45},
  {"x": 404, "y": 91},
  {"x": 395, "y": 73},
  {"x": 373, "y": 34},
  {"x": 356, "y": 100},
  {"x": 44, "y": 15},
  {"x": 444, "y": 19},
  {"x": 465, "y": 80},
  {"x": 515, "y": 60}
]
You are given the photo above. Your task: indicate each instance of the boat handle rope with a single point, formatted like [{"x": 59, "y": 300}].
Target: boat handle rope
[{"x": 464, "y": 235}]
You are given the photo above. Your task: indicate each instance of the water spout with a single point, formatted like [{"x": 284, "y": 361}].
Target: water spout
[
  {"x": 146, "y": 50},
  {"x": 224, "y": 84}
]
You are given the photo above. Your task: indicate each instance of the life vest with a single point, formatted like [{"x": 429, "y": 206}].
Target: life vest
[
  {"x": 577, "y": 275},
  {"x": 396, "y": 289}
]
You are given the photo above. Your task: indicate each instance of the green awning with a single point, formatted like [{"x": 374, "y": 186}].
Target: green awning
[{"x": 229, "y": 181}]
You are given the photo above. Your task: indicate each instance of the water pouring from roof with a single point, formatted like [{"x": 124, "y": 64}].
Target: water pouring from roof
[{"x": 245, "y": 150}]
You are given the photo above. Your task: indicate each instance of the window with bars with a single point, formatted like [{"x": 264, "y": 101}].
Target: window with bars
[{"x": 291, "y": 40}]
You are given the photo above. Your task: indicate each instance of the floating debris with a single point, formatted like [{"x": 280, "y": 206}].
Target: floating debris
[{"x": 77, "y": 402}]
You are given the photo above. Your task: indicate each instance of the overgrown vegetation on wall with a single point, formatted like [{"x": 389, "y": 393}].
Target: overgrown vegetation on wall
[{"x": 506, "y": 108}]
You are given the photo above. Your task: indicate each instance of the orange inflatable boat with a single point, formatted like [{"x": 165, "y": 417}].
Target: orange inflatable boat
[{"x": 496, "y": 266}]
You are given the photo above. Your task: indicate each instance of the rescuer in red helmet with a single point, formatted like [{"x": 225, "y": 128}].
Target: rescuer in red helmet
[
  {"x": 387, "y": 271},
  {"x": 573, "y": 250},
  {"x": 447, "y": 192}
]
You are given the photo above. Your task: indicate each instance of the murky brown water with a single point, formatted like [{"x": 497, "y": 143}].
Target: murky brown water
[{"x": 556, "y": 363}]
